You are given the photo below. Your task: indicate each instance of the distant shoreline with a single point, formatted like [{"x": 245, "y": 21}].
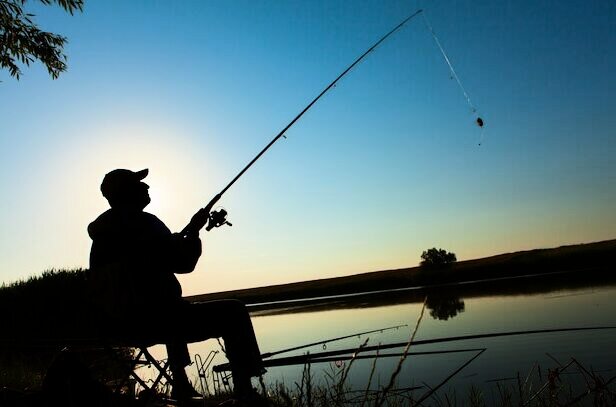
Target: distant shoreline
[{"x": 573, "y": 265}]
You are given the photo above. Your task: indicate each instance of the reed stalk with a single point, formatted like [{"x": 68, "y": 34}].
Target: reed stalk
[
  {"x": 372, "y": 369},
  {"x": 381, "y": 399}
]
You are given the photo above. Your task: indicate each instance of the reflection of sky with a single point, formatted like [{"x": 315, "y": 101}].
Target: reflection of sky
[
  {"x": 382, "y": 168},
  {"x": 504, "y": 356}
]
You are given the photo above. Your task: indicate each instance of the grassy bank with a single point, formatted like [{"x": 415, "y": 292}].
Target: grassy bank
[{"x": 592, "y": 260}]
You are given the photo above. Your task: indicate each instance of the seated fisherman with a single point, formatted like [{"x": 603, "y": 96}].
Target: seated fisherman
[{"x": 134, "y": 259}]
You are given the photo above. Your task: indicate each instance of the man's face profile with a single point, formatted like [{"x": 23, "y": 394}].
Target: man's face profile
[{"x": 140, "y": 195}]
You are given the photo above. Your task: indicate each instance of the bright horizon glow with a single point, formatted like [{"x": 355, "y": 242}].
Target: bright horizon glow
[{"x": 385, "y": 166}]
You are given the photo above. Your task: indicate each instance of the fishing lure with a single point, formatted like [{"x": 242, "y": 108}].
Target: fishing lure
[{"x": 202, "y": 217}]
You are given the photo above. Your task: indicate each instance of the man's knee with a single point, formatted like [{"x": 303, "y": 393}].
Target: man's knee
[
  {"x": 235, "y": 308},
  {"x": 218, "y": 310}
]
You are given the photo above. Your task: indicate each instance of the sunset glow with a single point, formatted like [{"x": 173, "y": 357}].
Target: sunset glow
[{"x": 384, "y": 167}]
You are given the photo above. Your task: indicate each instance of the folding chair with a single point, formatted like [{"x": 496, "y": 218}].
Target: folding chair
[{"x": 130, "y": 364}]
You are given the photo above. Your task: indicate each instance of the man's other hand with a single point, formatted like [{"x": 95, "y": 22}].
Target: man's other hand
[{"x": 199, "y": 220}]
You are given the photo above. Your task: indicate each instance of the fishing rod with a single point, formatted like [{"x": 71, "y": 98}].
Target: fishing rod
[
  {"x": 219, "y": 218},
  {"x": 326, "y": 341},
  {"x": 448, "y": 339}
]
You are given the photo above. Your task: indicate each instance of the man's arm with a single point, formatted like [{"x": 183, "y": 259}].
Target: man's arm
[{"x": 186, "y": 251}]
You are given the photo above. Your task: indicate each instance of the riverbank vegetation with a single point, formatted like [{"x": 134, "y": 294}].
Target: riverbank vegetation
[{"x": 42, "y": 315}]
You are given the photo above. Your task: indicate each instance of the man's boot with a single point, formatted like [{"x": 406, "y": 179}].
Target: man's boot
[{"x": 182, "y": 389}]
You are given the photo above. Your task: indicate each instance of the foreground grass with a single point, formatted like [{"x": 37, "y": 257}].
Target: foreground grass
[
  {"x": 564, "y": 383},
  {"x": 567, "y": 383},
  {"x": 552, "y": 387}
]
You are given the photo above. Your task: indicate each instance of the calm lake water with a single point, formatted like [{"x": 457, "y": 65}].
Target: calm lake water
[{"x": 504, "y": 357}]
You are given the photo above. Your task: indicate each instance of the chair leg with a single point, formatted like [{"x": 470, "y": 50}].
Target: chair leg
[
  {"x": 163, "y": 370},
  {"x": 130, "y": 370}
]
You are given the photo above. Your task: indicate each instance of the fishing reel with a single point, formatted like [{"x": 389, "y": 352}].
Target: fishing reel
[{"x": 217, "y": 219}]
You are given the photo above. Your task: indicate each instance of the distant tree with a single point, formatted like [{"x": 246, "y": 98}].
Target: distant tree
[
  {"x": 437, "y": 257},
  {"x": 22, "y": 42}
]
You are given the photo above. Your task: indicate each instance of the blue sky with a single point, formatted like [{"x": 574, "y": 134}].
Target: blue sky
[{"x": 385, "y": 166}]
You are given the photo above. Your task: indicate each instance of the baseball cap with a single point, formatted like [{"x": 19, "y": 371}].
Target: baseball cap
[{"x": 119, "y": 179}]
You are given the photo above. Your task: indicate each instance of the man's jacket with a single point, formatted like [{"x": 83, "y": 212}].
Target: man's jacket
[{"x": 134, "y": 258}]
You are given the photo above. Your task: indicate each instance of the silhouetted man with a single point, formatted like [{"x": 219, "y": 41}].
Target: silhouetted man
[{"x": 134, "y": 259}]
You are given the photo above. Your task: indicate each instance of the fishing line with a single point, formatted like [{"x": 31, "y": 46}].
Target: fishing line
[
  {"x": 454, "y": 75},
  {"x": 204, "y": 216},
  {"x": 197, "y": 222}
]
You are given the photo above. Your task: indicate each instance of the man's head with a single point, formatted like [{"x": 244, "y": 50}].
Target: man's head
[{"x": 124, "y": 189}]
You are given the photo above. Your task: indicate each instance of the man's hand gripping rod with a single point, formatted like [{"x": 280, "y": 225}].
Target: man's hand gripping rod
[
  {"x": 205, "y": 215},
  {"x": 218, "y": 218}
]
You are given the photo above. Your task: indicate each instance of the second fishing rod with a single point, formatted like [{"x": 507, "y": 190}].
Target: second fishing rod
[{"x": 219, "y": 218}]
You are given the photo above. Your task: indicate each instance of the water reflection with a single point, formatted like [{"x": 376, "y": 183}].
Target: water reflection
[
  {"x": 443, "y": 307},
  {"x": 444, "y": 299}
]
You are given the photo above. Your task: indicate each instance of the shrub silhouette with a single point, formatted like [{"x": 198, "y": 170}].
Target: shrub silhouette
[
  {"x": 41, "y": 315},
  {"x": 436, "y": 257}
]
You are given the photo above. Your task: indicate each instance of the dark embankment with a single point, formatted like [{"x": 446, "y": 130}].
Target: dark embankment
[
  {"x": 40, "y": 316},
  {"x": 576, "y": 265},
  {"x": 55, "y": 304}
]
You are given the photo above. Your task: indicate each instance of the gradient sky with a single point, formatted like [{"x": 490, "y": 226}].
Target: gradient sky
[{"x": 385, "y": 166}]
